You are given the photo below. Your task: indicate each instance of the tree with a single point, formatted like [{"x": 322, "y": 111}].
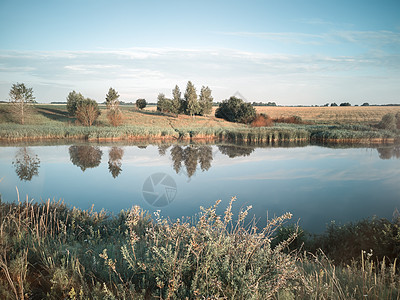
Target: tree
[
  {"x": 334, "y": 104},
  {"x": 21, "y": 99},
  {"x": 345, "y": 104},
  {"x": 163, "y": 104},
  {"x": 177, "y": 105},
  {"x": 26, "y": 164},
  {"x": 191, "y": 103},
  {"x": 141, "y": 103},
  {"x": 205, "y": 101},
  {"x": 73, "y": 99},
  {"x": 365, "y": 104},
  {"x": 236, "y": 110},
  {"x": 112, "y": 101},
  {"x": 114, "y": 114},
  {"x": 87, "y": 112}
]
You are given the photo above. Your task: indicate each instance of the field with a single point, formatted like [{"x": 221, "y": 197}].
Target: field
[
  {"x": 54, "y": 113},
  {"x": 323, "y": 124},
  {"x": 327, "y": 115}
]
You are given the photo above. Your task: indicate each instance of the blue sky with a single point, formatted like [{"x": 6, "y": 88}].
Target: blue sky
[{"x": 291, "y": 52}]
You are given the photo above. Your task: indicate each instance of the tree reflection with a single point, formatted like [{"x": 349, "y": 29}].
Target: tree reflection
[
  {"x": 234, "y": 150},
  {"x": 114, "y": 161},
  {"x": 177, "y": 157},
  {"x": 26, "y": 164},
  {"x": 85, "y": 156},
  {"x": 389, "y": 152},
  {"x": 191, "y": 156},
  {"x": 162, "y": 149}
]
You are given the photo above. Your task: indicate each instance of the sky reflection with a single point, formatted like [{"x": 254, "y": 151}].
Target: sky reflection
[{"x": 316, "y": 184}]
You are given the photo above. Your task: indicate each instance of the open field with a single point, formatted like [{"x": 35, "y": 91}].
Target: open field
[
  {"x": 326, "y": 115},
  {"x": 326, "y": 124},
  {"x": 332, "y": 115}
]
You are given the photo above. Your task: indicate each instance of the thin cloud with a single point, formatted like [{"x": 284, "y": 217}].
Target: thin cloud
[{"x": 145, "y": 72}]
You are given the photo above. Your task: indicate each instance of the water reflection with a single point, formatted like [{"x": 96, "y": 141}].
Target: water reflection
[
  {"x": 26, "y": 164},
  {"x": 162, "y": 149},
  {"x": 389, "y": 152},
  {"x": 85, "y": 156},
  {"x": 115, "y": 161},
  {"x": 234, "y": 150},
  {"x": 191, "y": 156}
]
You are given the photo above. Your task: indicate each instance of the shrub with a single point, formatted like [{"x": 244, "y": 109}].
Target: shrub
[
  {"x": 236, "y": 110},
  {"x": 388, "y": 122},
  {"x": 87, "y": 112},
  {"x": 114, "y": 117},
  {"x": 289, "y": 120},
  {"x": 262, "y": 120}
]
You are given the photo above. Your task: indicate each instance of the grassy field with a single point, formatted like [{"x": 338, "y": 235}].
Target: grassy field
[
  {"x": 343, "y": 124},
  {"x": 367, "y": 115}
]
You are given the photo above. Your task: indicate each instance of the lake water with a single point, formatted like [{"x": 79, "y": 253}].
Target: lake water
[{"x": 316, "y": 184}]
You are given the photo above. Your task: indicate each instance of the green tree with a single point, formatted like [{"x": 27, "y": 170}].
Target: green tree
[
  {"x": 236, "y": 110},
  {"x": 87, "y": 112},
  {"x": 141, "y": 103},
  {"x": 112, "y": 101},
  {"x": 205, "y": 101},
  {"x": 73, "y": 99},
  {"x": 177, "y": 101},
  {"x": 114, "y": 114},
  {"x": 21, "y": 99},
  {"x": 163, "y": 104},
  {"x": 191, "y": 103}
]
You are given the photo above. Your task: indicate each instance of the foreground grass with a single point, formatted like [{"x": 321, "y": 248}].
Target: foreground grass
[{"x": 48, "y": 251}]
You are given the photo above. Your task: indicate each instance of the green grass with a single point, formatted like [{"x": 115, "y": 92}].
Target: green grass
[{"x": 49, "y": 251}]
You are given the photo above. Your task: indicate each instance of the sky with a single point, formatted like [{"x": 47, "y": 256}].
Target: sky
[{"x": 292, "y": 52}]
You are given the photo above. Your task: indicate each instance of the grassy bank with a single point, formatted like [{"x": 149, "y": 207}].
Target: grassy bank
[
  {"x": 53, "y": 122},
  {"x": 49, "y": 251},
  {"x": 243, "y": 134}
]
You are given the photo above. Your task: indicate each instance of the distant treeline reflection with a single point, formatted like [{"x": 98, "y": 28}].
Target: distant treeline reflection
[{"x": 186, "y": 159}]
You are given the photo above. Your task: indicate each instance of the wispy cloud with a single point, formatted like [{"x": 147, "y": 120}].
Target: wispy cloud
[
  {"x": 369, "y": 38},
  {"x": 144, "y": 72}
]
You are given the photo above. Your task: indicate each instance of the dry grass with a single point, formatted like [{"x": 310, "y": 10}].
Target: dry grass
[
  {"x": 150, "y": 117},
  {"x": 332, "y": 115}
]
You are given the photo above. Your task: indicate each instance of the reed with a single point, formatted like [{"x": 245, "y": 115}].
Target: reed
[{"x": 48, "y": 250}]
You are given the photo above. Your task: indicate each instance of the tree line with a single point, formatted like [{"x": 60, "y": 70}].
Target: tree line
[{"x": 190, "y": 104}]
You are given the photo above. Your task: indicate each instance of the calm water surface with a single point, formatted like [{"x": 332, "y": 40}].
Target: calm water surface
[{"x": 316, "y": 184}]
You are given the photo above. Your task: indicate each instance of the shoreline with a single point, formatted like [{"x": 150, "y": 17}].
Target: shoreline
[{"x": 343, "y": 134}]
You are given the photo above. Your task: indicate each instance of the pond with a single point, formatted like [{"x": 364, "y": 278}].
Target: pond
[{"x": 316, "y": 184}]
